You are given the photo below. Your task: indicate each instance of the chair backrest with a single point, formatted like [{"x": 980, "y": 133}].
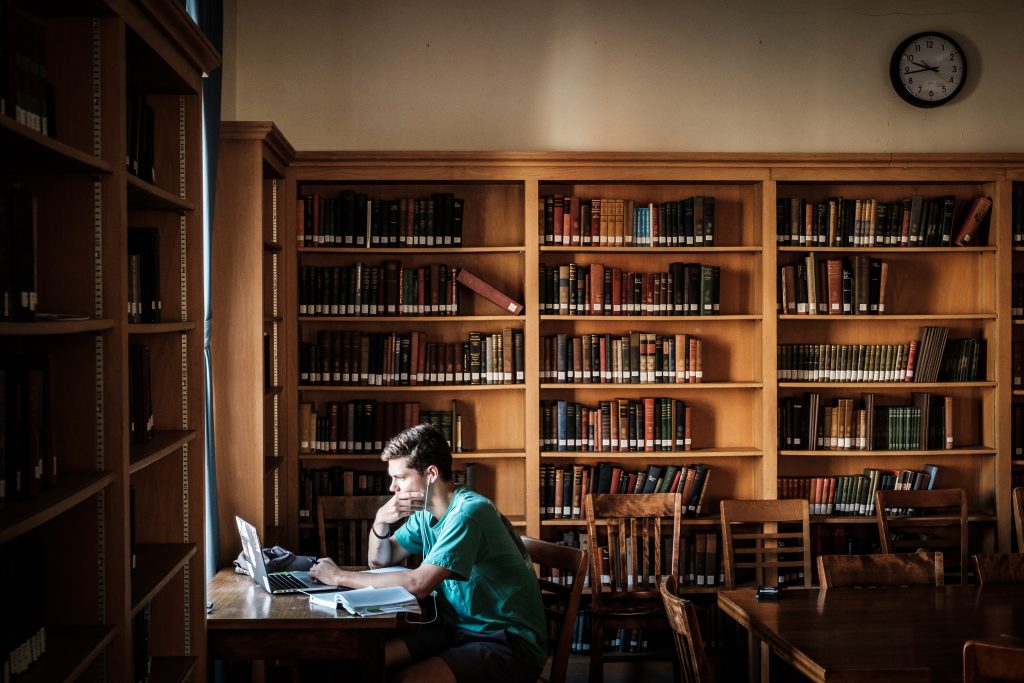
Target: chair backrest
[
  {"x": 781, "y": 546},
  {"x": 1001, "y": 568},
  {"x": 991, "y": 662},
  {"x": 561, "y": 591},
  {"x": 1018, "y": 516},
  {"x": 898, "y": 569},
  {"x": 346, "y": 521},
  {"x": 936, "y": 520},
  {"x": 628, "y": 553},
  {"x": 682, "y": 615}
]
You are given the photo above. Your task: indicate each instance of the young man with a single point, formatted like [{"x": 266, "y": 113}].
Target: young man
[{"x": 488, "y": 599}]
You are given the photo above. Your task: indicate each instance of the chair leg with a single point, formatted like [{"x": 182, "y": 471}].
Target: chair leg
[{"x": 596, "y": 651}]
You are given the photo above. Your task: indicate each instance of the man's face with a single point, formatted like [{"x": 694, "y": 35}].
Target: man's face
[{"x": 404, "y": 478}]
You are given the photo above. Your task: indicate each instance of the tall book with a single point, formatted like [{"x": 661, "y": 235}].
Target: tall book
[{"x": 488, "y": 291}]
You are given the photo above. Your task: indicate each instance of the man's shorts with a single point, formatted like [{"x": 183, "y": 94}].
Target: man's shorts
[{"x": 485, "y": 657}]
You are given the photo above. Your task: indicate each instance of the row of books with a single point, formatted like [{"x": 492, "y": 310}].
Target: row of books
[
  {"x": 144, "y": 302},
  {"x": 1017, "y": 364},
  {"x": 346, "y": 481},
  {"x": 354, "y": 219},
  {"x": 1017, "y": 296},
  {"x": 1017, "y": 214},
  {"x": 914, "y": 221},
  {"x": 141, "y": 424},
  {"x": 26, "y": 94},
  {"x": 387, "y": 289},
  {"x": 596, "y": 289},
  {"x": 805, "y": 424},
  {"x": 616, "y": 425},
  {"x": 854, "y": 494},
  {"x": 142, "y": 655},
  {"x": 572, "y": 220},
  {"x": 18, "y": 227},
  {"x": 630, "y": 358},
  {"x": 1017, "y": 429},
  {"x": 835, "y": 286},
  {"x": 563, "y": 487},
  {"x": 28, "y": 459},
  {"x": 141, "y": 120},
  {"x": 959, "y": 360},
  {"x": 23, "y": 631},
  {"x": 393, "y": 359},
  {"x": 364, "y": 425}
]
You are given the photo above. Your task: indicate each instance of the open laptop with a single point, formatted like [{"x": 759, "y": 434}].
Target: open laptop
[{"x": 275, "y": 582}]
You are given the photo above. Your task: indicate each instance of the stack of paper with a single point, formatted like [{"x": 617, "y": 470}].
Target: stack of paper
[{"x": 368, "y": 602}]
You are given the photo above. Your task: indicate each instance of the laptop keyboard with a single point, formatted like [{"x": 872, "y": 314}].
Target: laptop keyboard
[{"x": 285, "y": 582}]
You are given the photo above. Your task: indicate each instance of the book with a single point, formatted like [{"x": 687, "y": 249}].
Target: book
[
  {"x": 369, "y": 602},
  {"x": 487, "y": 291},
  {"x": 972, "y": 221}
]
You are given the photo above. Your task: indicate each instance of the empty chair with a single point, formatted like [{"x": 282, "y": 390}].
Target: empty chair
[
  {"x": 779, "y": 553},
  {"x": 897, "y": 569},
  {"x": 682, "y": 616},
  {"x": 634, "y": 541},
  {"x": 938, "y": 522},
  {"x": 344, "y": 522},
  {"x": 561, "y": 595},
  {"x": 991, "y": 662},
  {"x": 1018, "y": 516},
  {"x": 1001, "y": 568}
]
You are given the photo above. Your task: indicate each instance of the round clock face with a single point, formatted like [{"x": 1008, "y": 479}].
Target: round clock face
[{"x": 928, "y": 69}]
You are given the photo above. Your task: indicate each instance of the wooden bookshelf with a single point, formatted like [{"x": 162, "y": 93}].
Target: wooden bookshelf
[
  {"x": 95, "y": 54},
  {"x": 248, "y": 337},
  {"x": 736, "y": 405},
  {"x": 1012, "y": 203}
]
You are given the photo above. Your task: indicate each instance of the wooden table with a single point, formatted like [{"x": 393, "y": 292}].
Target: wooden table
[
  {"x": 246, "y": 622},
  {"x": 845, "y": 633}
]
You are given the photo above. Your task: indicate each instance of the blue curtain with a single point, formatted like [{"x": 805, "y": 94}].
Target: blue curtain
[{"x": 209, "y": 15}]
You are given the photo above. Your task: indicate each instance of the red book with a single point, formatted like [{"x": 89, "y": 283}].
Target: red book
[
  {"x": 972, "y": 221},
  {"x": 488, "y": 292},
  {"x": 908, "y": 376}
]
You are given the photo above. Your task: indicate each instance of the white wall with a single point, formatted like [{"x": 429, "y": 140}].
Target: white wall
[{"x": 748, "y": 76}]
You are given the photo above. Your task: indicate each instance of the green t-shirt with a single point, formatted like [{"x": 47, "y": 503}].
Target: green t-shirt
[{"x": 494, "y": 586}]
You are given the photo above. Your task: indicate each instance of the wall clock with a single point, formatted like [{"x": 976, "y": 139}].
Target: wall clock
[{"x": 928, "y": 69}]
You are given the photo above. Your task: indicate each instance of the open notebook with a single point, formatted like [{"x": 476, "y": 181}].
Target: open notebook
[{"x": 368, "y": 602}]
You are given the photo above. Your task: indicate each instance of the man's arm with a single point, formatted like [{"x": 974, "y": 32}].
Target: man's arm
[
  {"x": 385, "y": 552},
  {"x": 420, "y": 581}
]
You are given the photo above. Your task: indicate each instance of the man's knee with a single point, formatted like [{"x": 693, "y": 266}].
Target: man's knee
[{"x": 432, "y": 669}]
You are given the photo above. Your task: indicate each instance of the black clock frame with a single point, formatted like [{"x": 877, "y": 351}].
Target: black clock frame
[{"x": 897, "y": 82}]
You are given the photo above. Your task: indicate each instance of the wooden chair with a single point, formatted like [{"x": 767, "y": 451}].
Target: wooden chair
[
  {"x": 348, "y": 519},
  {"x": 682, "y": 616},
  {"x": 628, "y": 558},
  {"x": 1001, "y": 568},
  {"x": 898, "y": 569},
  {"x": 561, "y": 597},
  {"x": 937, "y": 517},
  {"x": 748, "y": 544},
  {"x": 1018, "y": 516},
  {"x": 991, "y": 662}
]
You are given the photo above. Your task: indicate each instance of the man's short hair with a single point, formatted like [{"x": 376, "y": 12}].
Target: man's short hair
[{"x": 424, "y": 445}]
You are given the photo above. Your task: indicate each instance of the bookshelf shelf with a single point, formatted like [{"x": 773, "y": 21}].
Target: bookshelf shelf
[
  {"x": 419, "y": 320},
  {"x": 21, "y": 516},
  {"x": 931, "y": 453},
  {"x": 40, "y": 152},
  {"x": 147, "y": 196},
  {"x": 651, "y": 318},
  {"x": 413, "y": 389},
  {"x": 1017, "y": 463},
  {"x": 872, "y": 520},
  {"x": 172, "y": 669},
  {"x": 156, "y": 564},
  {"x": 910, "y": 386},
  {"x": 54, "y": 327},
  {"x": 160, "y": 328},
  {"x": 931, "y": 317},
  {"x": 163, "y": 443},
  {"x": 652, "y": 386},
  {"x": 651, "y": 250},
  {"x": 893, "y": 250},
  {"x": 514, "y": 249},
  {"x": 69, "y": 652},
  {"x": 625, "y": 456}
]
